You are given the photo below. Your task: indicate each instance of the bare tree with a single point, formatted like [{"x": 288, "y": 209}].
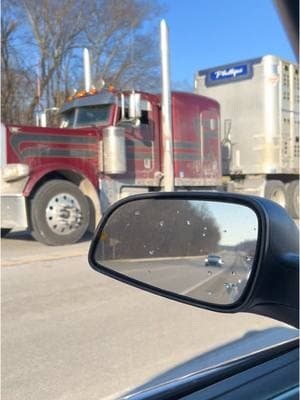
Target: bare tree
[
  {"x": 8, "y": 26},
  {"x": 124, "y": 53},
  {"x": 55, "y": 27},
  {"x": 42, "y": 42}
]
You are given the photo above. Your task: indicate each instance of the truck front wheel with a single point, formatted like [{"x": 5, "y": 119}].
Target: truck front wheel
[
  {"x": 59, "y": 213},
  {"x": 275, "y": 190}
]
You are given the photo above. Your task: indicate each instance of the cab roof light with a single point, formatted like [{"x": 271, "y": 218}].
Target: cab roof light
[
  {"x": 92, "y": 91},
  {"x": 81, "y": 93}
]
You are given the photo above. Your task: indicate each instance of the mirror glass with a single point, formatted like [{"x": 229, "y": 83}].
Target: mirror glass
[{"x": 200, "y": 249}]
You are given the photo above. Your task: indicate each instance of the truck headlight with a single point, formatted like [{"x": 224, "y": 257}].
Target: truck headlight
[{"x": 13, "y": 172}]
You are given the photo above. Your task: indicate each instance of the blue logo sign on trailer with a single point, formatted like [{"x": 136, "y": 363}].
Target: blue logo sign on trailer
[{"x": 229, "y": 73}]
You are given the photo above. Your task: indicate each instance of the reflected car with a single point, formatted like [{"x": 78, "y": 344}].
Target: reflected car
[{"x": 213, "y": 261}]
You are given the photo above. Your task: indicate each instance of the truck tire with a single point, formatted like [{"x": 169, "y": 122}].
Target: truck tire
[
  {"x": 275, "y": 190},
  {"x": 59, "y": 213},
  {"x": 5, "y": 232},
  {"x": 292, "y": 193}
]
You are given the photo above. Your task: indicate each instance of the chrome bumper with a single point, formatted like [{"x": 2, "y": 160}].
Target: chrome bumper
[{"x": 13, "y": 212}]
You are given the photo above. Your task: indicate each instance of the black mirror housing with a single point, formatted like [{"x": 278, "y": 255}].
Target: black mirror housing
[
  {"x": 275, "y": 292},
  {"x": 273, "y": 286}
]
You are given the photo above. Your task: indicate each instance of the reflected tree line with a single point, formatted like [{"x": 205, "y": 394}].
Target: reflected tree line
[
  {"x": 248, "y": 247},
  {"x": 159, "y": 228}
]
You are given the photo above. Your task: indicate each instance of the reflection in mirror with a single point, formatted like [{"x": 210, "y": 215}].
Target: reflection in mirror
[{"x": 200, "y": 249}]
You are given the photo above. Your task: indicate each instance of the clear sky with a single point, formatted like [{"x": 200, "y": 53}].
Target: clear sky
[
  {"x": 237, "y": 223},
  {"x": 208, "y": 33}
]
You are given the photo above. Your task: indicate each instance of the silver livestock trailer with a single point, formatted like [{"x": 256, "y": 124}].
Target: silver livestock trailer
[{"x": 259, "y": 101}]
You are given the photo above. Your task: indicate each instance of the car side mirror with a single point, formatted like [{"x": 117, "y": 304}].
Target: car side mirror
[{"x": 223, "y": 252}]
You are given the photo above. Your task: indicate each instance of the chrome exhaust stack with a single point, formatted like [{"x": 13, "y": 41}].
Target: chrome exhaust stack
[
  {"x": 87, "y": 70},
  {"x": 167, "y": 129}
]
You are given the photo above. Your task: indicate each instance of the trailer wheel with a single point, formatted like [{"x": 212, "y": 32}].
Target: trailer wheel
[
  {"x": 59, "y": 213},
  {"x": 292, "y": 192},
  {"x": 275, "y": 190},
  {"x": 5, "y": 232}
]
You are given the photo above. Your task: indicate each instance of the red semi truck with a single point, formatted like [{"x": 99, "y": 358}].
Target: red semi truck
[{"x": 56, "y": 182}]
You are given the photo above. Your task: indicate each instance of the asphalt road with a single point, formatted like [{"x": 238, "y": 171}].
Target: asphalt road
[
  {"x": 69, "y": 333},
  {"x": 190, "y": 276}
]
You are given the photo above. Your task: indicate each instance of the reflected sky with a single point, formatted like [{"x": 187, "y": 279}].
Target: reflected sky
[{"x": 237, "y": 223}]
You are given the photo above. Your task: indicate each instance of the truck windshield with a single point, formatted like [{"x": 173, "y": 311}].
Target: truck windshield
[
  {"x": 94, "y": 115},
  {"x": 67, "y": 119}
]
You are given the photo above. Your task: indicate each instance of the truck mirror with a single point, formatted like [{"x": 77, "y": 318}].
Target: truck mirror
[
  {"x": 226, "y": 150},
  {"x": 135, "y": 105}
]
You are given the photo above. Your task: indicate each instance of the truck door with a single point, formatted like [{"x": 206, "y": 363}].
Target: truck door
[
  {"x": 142, "y": 147},
  {"x": 210, "y": 145}
]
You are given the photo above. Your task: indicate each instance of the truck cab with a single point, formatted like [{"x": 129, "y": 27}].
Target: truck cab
[{"x": 58, "y": 181}]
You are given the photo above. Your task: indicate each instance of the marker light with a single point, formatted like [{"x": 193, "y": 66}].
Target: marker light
[{"x": 81, "y": 93}]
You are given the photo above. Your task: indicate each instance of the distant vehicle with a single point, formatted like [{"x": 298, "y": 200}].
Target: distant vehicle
[{"x": 213, "y": 260}]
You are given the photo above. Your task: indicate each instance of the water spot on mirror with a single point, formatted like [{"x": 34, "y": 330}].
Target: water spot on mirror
[{"x": 232, "y": 290}]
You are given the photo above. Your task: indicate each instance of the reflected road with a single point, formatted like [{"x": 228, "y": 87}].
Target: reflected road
[{"x": 190, "y": 276}]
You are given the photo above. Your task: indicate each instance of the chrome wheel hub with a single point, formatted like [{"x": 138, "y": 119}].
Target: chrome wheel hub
[{"x": 63, "y": 214}]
